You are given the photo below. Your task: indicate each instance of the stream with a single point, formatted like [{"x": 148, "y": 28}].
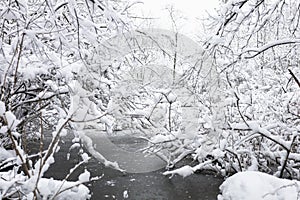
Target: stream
[{"x": 138, "y": 186}]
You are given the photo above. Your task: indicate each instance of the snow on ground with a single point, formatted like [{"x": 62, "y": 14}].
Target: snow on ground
[
  {"x": 11, "y": 184},
  {"x": 252, "y": 185}
]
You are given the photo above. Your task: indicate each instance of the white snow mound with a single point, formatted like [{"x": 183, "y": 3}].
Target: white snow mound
[{"x": 252, "y": 185}]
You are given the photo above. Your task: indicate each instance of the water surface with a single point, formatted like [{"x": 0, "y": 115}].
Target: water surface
[{"x": 139, "y": 186}]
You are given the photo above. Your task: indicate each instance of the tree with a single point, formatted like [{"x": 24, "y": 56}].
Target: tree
[
  {"x": 255, "y": 46},
  {"x": 45, "y": 48}
]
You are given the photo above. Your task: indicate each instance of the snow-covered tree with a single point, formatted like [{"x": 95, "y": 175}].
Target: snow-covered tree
[
  {"x": 254, "y": 45},
  {"x": 47, "y": 50}
]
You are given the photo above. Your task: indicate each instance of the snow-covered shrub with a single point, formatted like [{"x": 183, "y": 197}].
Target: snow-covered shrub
[
  {"x": 255, "y": 47},
  {"x": 45, "y": 50}
]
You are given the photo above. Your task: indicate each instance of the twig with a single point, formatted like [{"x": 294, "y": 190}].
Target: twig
[
  {"x": 54, "y": 141},
  {"x": 237, "y": 157},
  {"x": 66, "y": 178},
  {"x": 294, "y": 77},
  {"x": 287, "y": 157}
]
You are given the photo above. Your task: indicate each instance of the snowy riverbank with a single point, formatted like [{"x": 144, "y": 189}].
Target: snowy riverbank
[{"x": 252, "y": 185}]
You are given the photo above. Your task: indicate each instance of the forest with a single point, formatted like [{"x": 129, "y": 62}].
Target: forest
[{"x": 228, "y": 100}]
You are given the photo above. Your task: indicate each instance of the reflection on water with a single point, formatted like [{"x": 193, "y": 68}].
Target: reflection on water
[
  {"x": 139, "y": 186},
  {"x": 125, "y": 151}
]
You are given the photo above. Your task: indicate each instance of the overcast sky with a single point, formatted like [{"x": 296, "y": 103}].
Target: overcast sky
[{"x": 187, "y": 13}]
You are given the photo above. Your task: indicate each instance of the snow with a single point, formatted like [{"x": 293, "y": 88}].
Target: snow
[
  {"x": 111, "y": 183},
  {"x": 183, "y": 171},
  {"x": 171, "y": 97},
  {"x": 5, "y": 154},
  {"x": 85, "y": 157},
  {"x": 251, "y": 185},
  {"x": 12, "y": 122},
  {"x": 217, "y": 153},
  {"x": 85, "y": 176},
  {"x": 89, "y": 145},
  {"x": 272, "y": 44},
  {"x": 75, "y": 192},
  {"x": 161, "y": 138},
  {"x": 45, "y": 67},
  {"x": 75, "y": 145},
  {"x": 47, "y": 187},
  {"x": 2, "y": 108},
  {"x": 51, "y": 84},
  {"x": 63, "y": 132},
  {"x": 3, "y": 129},
  {"x": 33, "y": 72},
  {"x": 125, "y": 194}
]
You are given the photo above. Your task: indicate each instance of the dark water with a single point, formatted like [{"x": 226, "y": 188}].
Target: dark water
[{"x": 141, "y": 186}]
